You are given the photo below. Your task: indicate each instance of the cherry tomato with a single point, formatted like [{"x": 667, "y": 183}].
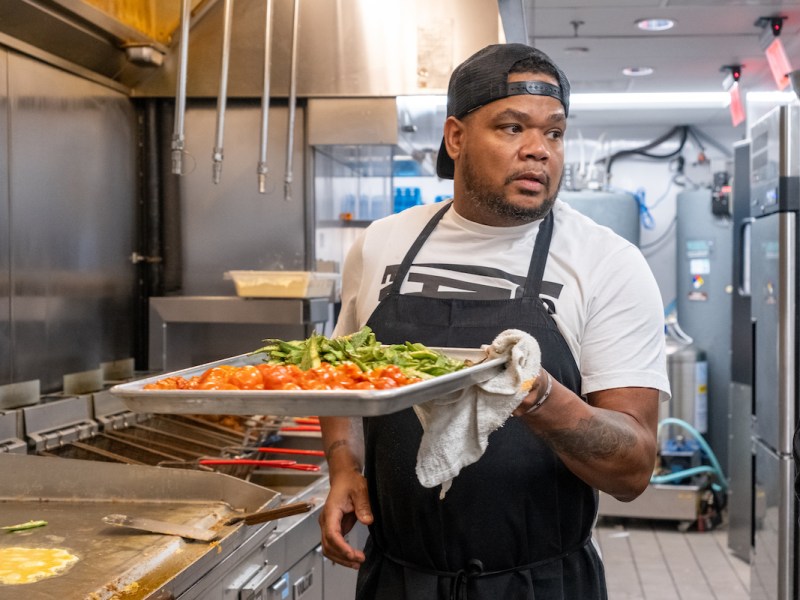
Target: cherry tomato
[
  {"x": 215, "y": 375},
  {"x": 383, "y": 383},
  {"x": 247, "y": 377},
  {"x": 363, "y": 385},
  {"x": 288, "y": 377}
]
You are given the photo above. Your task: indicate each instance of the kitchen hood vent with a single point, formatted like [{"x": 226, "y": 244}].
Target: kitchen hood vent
[
  {"x": 117, "y": 42},
  {"x": 347, "y": 48}
]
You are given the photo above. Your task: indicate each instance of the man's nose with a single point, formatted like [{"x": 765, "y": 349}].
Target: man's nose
[{"x": 534, "y": 146}]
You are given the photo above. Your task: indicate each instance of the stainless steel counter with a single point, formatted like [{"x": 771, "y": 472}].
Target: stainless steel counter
[{"x": 193, "y": 330}]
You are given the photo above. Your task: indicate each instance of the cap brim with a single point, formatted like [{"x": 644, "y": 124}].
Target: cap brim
[{"x": 445, "y": 167}]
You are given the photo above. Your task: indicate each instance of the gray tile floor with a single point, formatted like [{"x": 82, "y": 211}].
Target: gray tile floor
[{"x": 653, "y": 560}]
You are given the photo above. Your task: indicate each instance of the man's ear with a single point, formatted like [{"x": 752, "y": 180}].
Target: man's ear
[{"x": 454, "y": 137}]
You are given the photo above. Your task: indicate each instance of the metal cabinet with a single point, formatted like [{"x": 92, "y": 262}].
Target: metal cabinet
[
  {"x": 255, "y": 588},
  {"x": 301, "y": 582},
  {"x": 339, "y": 582}
]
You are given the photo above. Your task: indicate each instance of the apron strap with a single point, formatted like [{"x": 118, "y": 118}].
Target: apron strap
[
  {"x": 541, "y": 248},
  {"x": 404, "y": 267},
  {"x": 474, "y": 569}
]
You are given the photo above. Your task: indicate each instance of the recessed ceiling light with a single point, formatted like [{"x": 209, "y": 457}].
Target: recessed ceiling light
[
  {"x": 576, "y": 50},
  {"x": 655, "y": 24},
  {"x": 637, "y": 71}
]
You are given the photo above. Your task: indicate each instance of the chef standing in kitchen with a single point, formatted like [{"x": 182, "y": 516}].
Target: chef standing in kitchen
[{"x": 504, "y": 254}]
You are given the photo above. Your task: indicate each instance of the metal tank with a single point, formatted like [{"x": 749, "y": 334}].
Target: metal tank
[
  {"x": 704, "y": 243},
  {"x": 687, "y": 368},
  {"x": 618, "y": 211}
]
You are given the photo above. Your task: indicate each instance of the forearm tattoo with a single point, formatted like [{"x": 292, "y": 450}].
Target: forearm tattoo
[
  {"x": 334, "y": 445},
  {"x": 594, "y": 438}
]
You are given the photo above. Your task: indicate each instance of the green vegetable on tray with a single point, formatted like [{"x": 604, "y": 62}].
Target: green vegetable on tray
[
  {"x": 24, "y": 526},
  {"x": 362, "y": 349}
]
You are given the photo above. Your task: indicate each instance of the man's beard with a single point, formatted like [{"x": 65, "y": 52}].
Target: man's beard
[{"x": 493, "y": 201}]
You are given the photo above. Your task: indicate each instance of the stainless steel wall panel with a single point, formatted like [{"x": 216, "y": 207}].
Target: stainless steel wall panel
[
  {"x": 338, "y": 121},
  {"x": 72, "y": 181},
  {"x": 6, "y": 359},
  {"x": 230, "y": 225}
]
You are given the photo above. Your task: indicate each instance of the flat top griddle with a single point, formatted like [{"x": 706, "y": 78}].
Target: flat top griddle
[
  {"x": 73, "y": 495},
  {"x": 111, "y": 560}
]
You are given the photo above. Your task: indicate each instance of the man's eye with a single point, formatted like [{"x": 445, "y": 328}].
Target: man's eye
[{"x": 512, "y": 128}]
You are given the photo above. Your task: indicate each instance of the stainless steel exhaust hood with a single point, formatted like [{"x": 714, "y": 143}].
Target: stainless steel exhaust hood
[
  {"x": 116, "y": 43},
  {"x": 346, "y": 48}
]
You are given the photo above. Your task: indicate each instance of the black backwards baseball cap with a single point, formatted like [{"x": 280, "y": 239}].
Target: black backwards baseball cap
[{"x": 483, "y": 78}]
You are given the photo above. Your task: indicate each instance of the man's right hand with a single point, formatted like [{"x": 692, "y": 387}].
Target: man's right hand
[{"x": 347, "y": 503}]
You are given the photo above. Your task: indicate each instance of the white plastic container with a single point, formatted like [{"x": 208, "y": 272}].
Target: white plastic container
[{"x": 283, "y": 284}]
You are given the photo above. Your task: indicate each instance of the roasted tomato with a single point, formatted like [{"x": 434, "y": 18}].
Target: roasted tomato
[
  {"x": 247, "y": 377},
  {"x": 288, "y": 377}
]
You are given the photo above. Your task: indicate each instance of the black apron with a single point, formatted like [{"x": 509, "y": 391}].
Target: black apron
[{"x": 516, "y": 524}]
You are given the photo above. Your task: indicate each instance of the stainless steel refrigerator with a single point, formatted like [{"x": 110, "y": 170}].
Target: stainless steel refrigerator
[
  {"x": 740, "y": 395},
  {"x": 775, "y": 200}
]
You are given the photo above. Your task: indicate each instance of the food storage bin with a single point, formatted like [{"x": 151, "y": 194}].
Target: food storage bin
[{"x": 283, "y": 284}]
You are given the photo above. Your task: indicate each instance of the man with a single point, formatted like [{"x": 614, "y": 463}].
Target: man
[{"x": 505, "y": 253}]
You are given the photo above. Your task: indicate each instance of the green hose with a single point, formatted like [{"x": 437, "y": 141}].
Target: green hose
[{"x": 714, "y": 468}]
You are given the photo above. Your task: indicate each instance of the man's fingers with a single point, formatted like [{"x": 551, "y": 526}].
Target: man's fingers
[
  {"x": 363, "y": 509},
  {"x": 347, "y": 504},
  {"x": 336, "y": 548},
  {"x": 334, "y": 544}
]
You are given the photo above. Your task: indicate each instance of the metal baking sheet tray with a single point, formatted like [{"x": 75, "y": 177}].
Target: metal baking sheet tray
[{"x": 323, "y": 403}]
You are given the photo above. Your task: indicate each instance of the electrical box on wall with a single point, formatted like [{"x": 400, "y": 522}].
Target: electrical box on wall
[{"x": 721, "y": 195}]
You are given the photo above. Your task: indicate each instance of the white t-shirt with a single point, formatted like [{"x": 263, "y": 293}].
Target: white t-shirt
[{"x": 603, "y": 296}]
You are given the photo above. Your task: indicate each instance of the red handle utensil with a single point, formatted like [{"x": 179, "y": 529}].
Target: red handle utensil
[
  {"x": 301, "y": 428},
  {"x": 291, "y": 451},
  {"x": 280, "y": 464}
]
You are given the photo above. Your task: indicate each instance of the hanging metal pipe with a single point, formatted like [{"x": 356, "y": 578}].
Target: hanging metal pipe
[
  {"x": 287, "y": 191},
  {"x": 223, "y": 89},
  {"x": 262, "y": 157},
  {"x": 178, "y": 141}
]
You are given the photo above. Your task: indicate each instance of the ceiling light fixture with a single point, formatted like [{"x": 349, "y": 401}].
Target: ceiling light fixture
[
  {"x": 658, "y": 24},
  {"x": 773, "y": 98},
  {"x": 637, "y": 71},
  {"x": 625, "y": 101}
]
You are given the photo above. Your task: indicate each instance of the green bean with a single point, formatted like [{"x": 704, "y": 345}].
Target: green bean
[{"x": 362, "y": 349}]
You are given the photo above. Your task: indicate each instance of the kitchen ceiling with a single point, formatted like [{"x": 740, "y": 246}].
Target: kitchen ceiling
[{"x": 594, "y": 40}]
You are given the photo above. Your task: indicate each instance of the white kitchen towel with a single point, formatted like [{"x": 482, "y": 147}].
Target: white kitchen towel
[{"x": 456, "y": 428}]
